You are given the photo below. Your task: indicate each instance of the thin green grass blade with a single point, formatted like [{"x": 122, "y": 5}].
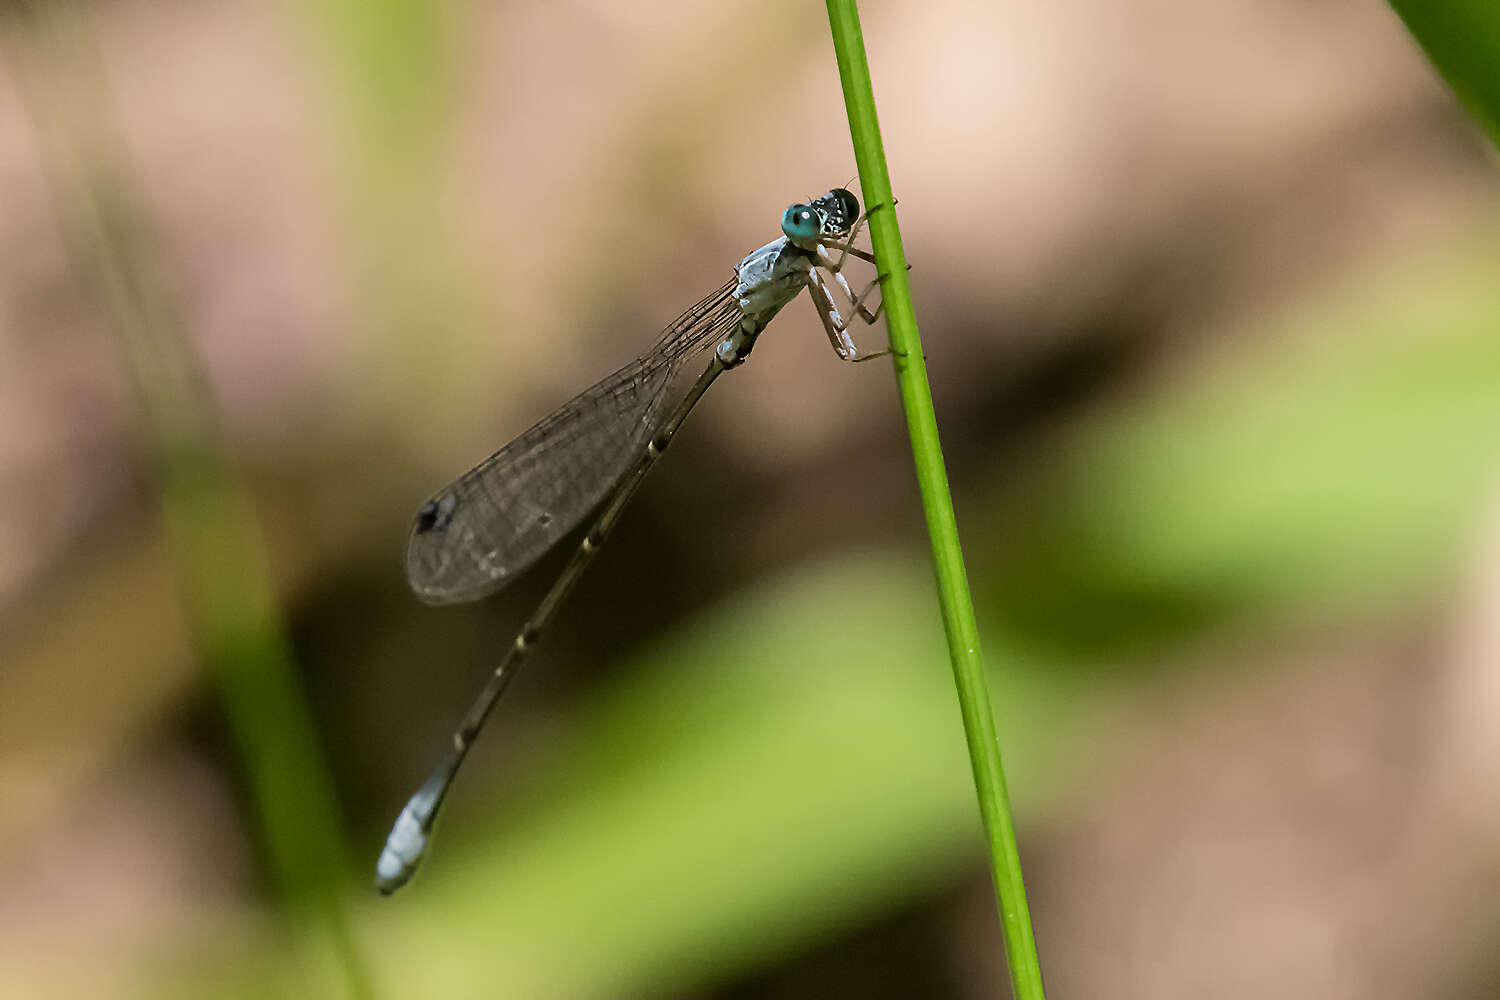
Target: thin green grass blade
[
  {"x": 207, "y": 518},
  {"x": 952, "y": 581}
]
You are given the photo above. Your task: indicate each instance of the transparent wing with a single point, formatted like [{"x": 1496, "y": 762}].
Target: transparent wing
[{"x": 499, "y": 518}]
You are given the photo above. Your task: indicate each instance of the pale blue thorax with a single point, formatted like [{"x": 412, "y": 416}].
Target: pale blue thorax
[{"x": 770, "y": 277}]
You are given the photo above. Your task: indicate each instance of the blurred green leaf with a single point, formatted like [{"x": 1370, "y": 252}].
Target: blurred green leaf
[
  {"x": 782, "y": 769},
  {"x": 1335, "y": 464},
  {"x": 1462, "y": 38},
  {"x": 787, "y": 767}
]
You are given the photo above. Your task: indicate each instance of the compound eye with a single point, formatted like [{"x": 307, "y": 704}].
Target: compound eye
[
  {"x": 800, "y": 222},
  {"x": 848, "y": 205}
]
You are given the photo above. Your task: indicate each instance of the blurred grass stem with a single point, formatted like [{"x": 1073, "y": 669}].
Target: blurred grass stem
[
  {"x": 937, "y": 503},
  {"x": 210, "y": 526}
]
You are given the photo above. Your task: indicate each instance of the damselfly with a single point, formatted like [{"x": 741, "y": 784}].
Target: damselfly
[{"x": 495, "y": 521}]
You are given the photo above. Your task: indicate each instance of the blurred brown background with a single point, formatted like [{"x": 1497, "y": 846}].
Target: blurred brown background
[{"x": 1209, "y": 304}]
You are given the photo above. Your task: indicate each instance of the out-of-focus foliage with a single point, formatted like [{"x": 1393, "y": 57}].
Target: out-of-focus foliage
[
  {"x": 215, "y": 545},
  {"x": 1209, "y": 304},
  {"x": 1462, "y": 37},
  {"x": 1339, "y": 464},
  {"x": 1257, "y": 490}
]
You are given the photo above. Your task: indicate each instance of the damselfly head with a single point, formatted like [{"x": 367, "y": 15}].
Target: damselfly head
[
  {"x": 838, "y": 208},
  {"x": 828, "y": 217}
]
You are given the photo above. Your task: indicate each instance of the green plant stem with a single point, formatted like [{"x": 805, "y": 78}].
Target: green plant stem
[{"x": 937, "y": 503}]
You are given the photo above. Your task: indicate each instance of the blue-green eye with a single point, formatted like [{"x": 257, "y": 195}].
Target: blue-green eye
[{"x": 800, "y": 222}]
